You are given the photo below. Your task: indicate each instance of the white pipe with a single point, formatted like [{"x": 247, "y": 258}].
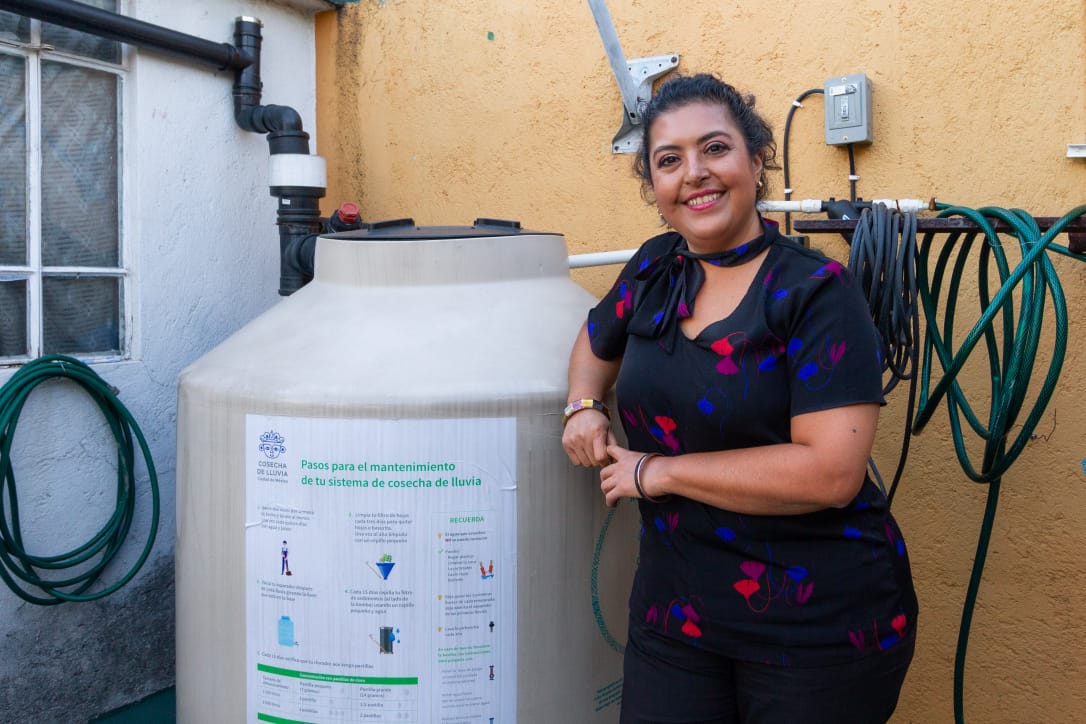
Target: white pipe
[
  {"x": 805, "y": 206},
  {"x": 905, "y": 205},
  {"x": 814, "y": 206},
  {"x": 603, "y": 258},
  {"x": 297, "y": 169}
]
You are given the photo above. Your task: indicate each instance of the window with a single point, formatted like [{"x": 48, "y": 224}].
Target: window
[{"x": 62, "y": 270}]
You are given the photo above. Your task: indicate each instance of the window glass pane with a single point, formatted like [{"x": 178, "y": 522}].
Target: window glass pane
[
  {"x": 14, "y": 27},
  {"x": 79, "y": 166},
  {"x": 81, "y": 315},
  {"x": 12, "y": 317},
  {"x": 85, "y": 44},
  {"x": 12, "y": 160}
]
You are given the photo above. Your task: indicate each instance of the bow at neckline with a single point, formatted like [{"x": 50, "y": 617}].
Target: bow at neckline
[{"x": 672, "y": 280}]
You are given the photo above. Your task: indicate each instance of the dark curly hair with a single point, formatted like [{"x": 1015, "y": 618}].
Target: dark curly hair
[{"x": 684, "y": 90}]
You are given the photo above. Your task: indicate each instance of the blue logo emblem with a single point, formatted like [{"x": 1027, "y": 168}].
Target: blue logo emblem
[{"x": 271, "y": 444}]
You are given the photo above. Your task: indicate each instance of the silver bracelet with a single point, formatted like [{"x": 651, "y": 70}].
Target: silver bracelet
[{"x": 637, "y": 478}]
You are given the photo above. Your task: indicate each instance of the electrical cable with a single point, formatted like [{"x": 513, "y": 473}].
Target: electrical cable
[
  {"x": 797, "y": 103},
  {"x": 852, "y": 177},
  {"x": 24, "y": 572},
  {"x": 1012, "y": 353},
  {"x": 882, "y": 258}
]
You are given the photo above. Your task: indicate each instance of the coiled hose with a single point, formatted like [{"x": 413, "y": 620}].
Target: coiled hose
[
  {"x": 1010, "y": 361},
  {"x": 49, "y": 580},
  {"x": 1011, "y": 346},
  {"x": 882, "y": 256}
]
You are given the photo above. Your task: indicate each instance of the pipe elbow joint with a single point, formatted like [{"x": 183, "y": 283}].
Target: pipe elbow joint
[
  {"x": 283, "y": 125},
  {"x": 243, "y": 115},
  {"x": 266, "y": 119},
  {"x": 298, "y": 256},
  {"x": 281, "y": 118}
]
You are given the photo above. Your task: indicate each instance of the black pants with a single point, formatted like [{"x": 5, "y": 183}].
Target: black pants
[{"x": 668, "y": 682}]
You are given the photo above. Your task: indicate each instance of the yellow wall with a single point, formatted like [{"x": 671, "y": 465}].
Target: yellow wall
[{"x": 423, "y": 113}]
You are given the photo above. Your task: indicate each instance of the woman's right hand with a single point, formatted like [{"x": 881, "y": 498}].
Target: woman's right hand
[{"x": 586, "y": 437}]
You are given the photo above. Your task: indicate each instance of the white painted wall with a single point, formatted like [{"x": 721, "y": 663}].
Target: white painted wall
[{"x": 203, "y": 252}]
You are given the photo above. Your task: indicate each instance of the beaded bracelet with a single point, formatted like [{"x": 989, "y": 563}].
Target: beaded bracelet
[
  {"x": 583, "y": 404},
  {"x": 637, "y": 478}
]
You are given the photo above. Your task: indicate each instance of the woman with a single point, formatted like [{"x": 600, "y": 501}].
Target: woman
[{"x": 772, "y": 582}]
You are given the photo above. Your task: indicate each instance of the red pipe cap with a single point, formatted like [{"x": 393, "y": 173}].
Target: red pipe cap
[{"x": 348, "y": 212}]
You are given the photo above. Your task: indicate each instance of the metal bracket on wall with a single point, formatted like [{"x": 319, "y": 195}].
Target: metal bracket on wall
[{"x": 634, "y": 77}]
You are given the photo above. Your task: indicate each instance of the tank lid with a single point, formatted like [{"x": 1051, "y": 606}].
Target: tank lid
[{"x": 406, "y": 230}]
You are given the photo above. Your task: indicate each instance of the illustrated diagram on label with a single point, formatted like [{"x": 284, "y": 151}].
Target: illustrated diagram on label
[
  {"x": 383, "y": 567},
  {"x": 380, "y": 570}
]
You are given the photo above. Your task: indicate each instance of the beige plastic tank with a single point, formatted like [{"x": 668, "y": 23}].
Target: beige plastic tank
[{"x": 376, "y": 520}]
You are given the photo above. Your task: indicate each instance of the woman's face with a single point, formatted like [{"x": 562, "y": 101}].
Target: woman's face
[{"x": 703, "y": 177}]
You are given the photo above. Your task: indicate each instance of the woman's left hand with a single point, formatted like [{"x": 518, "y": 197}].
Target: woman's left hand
[{"x": 616, "y": 480}]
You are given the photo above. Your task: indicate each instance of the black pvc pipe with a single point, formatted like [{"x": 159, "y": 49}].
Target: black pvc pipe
[
  {"x": 283, "y": 124},
  {"x": 298, "y": 216},
  {"x": 122, "y": 28},
  {"x": 299, "y": 213}
]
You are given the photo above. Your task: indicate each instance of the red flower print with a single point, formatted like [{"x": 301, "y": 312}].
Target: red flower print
[
  {"x": 747, "y": 587},
  {"x": 722, "y": 347},
  {"x": 691, "y": 629},
  {"x": 625, "y": 303}
]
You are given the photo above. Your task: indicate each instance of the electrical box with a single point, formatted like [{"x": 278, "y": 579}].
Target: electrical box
[{"x": 848, "y": 109}]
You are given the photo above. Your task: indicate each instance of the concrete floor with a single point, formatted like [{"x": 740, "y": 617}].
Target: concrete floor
[{"x": 158, "y": 708}]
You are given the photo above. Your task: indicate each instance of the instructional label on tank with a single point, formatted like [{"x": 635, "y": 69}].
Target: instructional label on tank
[{"x": 380, "y": 570}]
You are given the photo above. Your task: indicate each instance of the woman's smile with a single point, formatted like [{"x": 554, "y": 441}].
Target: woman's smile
[{"x": 699, "y": 201}]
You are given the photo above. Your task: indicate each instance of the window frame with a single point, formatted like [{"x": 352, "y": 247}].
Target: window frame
[{"x": 34, "y": 52}]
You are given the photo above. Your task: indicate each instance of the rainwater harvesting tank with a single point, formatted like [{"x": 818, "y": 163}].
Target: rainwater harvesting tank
[{"x": 376, "y": 521}]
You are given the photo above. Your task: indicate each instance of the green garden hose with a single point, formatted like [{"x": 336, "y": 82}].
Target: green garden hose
[
  {"x": 49, "y": 580},
  {"x": 1011, "y": 356}
]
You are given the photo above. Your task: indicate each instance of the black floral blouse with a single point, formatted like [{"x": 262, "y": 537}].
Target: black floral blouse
[{"x": 802, "y": 590}]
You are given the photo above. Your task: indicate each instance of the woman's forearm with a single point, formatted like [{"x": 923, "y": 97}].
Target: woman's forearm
[{"x": 823, "y": 467}]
